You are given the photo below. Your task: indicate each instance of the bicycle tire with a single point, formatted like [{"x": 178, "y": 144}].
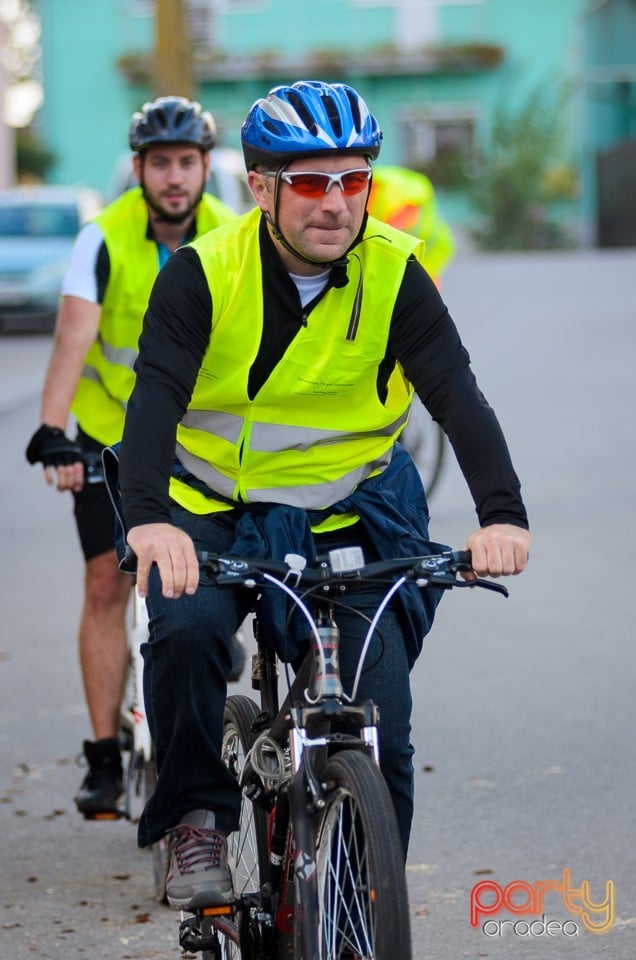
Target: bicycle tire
[
  {"x": 159, "y": 850},
  {"x": 362, "y": 893},
  {"x": 247, "y": 846},
  {"x": 426, "y": 442}
]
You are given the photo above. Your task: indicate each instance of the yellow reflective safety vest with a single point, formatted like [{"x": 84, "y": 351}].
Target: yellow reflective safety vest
[
  {"x": 316, "y": 428},
  {"x": 99, "y": 405},
  {"x": 406, "y": 199}
]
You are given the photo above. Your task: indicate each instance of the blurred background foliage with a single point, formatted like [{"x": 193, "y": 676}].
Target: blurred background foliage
[{"x": 518, "y": 177}]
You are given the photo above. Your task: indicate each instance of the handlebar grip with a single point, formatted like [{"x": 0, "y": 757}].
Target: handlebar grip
[{"x": 462, "y": 560}]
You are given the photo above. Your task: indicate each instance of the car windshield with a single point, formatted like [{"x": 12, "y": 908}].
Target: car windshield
[{"x": 39, "y": 220}]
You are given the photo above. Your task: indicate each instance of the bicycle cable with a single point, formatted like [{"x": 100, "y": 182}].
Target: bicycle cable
[{"x": 262, "y": 755}]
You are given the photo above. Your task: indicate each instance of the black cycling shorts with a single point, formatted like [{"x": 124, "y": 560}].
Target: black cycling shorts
[{"x": 94, "y": 513}]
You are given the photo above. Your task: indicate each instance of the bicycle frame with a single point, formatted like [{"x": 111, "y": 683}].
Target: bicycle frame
[
  {"x": 134, "y": 731},
  {"x": 134, "y": 714}
]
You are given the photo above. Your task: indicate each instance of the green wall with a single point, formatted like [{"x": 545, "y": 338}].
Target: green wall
[{"x": 88, "y": 101}]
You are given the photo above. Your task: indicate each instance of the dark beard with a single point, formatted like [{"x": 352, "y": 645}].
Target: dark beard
[{"x": 167, "y": 217}]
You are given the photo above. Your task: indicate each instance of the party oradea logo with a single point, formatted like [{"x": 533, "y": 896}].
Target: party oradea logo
[{"x": 489, "y": 900}]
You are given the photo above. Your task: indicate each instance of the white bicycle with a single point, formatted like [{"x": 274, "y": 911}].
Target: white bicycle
[
  {"x": 426, "y": 442},
  {"x": 138, "y": 759}
]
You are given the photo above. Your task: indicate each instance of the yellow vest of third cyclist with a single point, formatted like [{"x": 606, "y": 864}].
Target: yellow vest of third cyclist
[
  {"x": 316, "y": 428},
  {"x": 107, "y": 380}
]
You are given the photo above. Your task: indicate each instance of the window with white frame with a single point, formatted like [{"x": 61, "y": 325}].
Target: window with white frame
[{"x": 441, "y": 143}]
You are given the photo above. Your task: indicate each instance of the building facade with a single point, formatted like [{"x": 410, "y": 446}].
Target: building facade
[{"x": 433, "y": 71}]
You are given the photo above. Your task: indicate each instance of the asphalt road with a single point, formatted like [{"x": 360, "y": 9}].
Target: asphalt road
[{"x": 525, "y": 714}]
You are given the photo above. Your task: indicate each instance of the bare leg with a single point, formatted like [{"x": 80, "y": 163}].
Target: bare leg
[{"x": 103, "y": 647}]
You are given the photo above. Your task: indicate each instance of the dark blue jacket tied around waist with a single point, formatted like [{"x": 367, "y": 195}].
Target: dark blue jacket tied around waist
[{"x": 393, "y": 513}]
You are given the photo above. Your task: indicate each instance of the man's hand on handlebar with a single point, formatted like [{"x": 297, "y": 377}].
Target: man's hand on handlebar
[
  {"x": 498, "y": 550},
  {"x": 173, "y": 552}
]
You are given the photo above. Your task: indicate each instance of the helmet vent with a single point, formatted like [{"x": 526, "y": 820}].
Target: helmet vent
[
  {"x": 331, "y": 109},
  {"x": 302, "y": 111},
  {"x": 355, "y": 108},
  {"x": 172, "y": 120}
]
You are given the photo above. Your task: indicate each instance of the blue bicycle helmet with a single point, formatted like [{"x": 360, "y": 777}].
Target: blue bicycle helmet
[
  {"x": 172, "y": 120},
  {"x": 306, "y": 119}
]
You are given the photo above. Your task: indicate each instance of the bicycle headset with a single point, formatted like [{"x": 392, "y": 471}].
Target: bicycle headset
[{"x": 307, "y": 119}]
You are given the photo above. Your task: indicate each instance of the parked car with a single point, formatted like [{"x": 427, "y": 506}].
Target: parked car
[
  {"x": 38, "y": 225},
  {"x": 227, "y": 179}
]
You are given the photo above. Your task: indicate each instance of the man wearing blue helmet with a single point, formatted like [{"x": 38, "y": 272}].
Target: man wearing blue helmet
[{"x": 277, "y": 363}]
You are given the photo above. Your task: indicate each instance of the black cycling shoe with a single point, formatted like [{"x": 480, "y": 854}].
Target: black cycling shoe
[{"x": 98, "y": 796}]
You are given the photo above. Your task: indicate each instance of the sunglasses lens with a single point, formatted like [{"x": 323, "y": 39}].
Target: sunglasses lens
[
  {"x": 354, "y": 182},
  {"x": 309, "y": 184},
  {"x": 313, "y": 185}
]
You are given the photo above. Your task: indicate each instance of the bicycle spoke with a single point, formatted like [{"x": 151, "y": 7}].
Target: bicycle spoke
[
  {"x": 345, "y": 888},
  {"x": 361, "y": 898}
]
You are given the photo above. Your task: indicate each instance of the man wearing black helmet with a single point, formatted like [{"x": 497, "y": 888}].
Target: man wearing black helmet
[
  {"x": 277, "y": 363},
  {"x": 104, "y": 294}
]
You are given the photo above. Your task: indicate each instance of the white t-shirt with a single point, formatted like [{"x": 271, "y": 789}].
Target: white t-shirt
[
  {"x": 310, "y": 287},
  {"x": 80, "y": 279}
]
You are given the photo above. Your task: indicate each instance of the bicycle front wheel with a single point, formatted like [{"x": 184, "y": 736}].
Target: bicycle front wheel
[{"x": 362, "y": 893}]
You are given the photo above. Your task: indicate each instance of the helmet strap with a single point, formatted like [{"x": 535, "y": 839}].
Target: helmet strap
[{"x": 340, "y": 262}]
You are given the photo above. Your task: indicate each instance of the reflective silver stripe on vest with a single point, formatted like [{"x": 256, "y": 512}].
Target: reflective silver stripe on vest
[
  {"x": 274, "y": 438},
  {"x": 315, "y": 496},
  {"x": 225, "y": 425},
  {"x": 201, "y": 468},
  {"x": 319, "y": 496},
  {"x": 90, "y": 373},
  {"x": 122, "y": 356}
]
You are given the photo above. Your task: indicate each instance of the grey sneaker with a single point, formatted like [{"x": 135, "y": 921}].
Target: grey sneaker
[{"x": 198, "y": 875}]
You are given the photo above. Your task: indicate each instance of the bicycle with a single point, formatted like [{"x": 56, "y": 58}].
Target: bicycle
[
  {"x": 426, "y": 442},
  {"x": 317, "y": 862}
]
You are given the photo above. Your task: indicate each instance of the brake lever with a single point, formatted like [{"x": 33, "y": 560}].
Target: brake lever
[
  {"x": 447, "y": 580},
  {"x": 486, "y": 584},
  {"x": 461, "y": 562}
]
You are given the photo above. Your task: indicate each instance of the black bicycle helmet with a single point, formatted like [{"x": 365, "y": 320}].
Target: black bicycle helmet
[
  {"x": 172, "y": 120},
  {"x": 307, "y": 119}
]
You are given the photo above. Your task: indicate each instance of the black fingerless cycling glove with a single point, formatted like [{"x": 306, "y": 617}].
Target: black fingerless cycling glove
[{"x": 51, "y": 446}]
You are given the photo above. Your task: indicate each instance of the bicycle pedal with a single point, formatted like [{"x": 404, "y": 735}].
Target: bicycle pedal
[
  {"x": 102, "y": 815},
  {"x": 199, "y": 933},
  {"x": 226, "y": 910}
]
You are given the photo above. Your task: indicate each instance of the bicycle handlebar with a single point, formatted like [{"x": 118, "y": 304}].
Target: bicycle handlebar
[{"x": 439, "y": 570}]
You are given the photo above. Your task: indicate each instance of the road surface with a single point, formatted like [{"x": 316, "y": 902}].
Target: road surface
[{"x": 525, "y": 712}]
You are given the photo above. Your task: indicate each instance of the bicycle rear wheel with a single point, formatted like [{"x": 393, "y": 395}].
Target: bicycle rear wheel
[
  {"x": 247, "y": 846},
  {"x": 426, "y": 442},
  {"x": 362, "y": 893}
]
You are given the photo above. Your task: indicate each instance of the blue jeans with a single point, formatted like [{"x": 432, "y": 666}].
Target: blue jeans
[{"x": 187, "y": 660}]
